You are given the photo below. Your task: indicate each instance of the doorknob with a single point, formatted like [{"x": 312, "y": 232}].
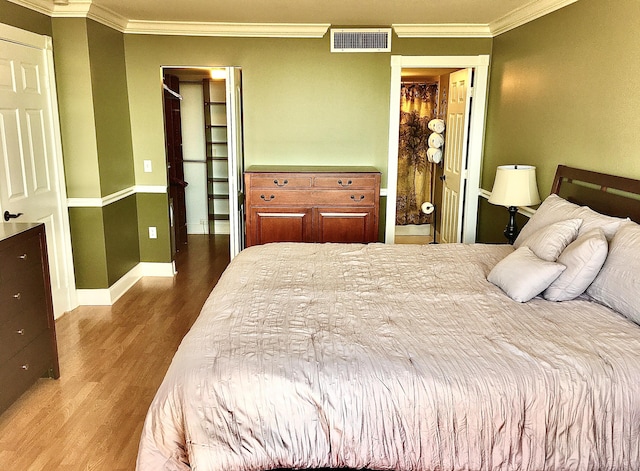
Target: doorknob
[
  {"x": 8, "y": 215},
  {"x": 443, "y": 177}
]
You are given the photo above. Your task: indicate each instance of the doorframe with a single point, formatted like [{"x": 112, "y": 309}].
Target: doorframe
[
  {"x": 480, "y": 64},
  {"x": 236, "y": 223},
  {"x": 45, "y": 44}
]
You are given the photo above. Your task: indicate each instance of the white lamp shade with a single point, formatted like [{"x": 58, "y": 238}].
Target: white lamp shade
[{"x": 515, "y": 185}]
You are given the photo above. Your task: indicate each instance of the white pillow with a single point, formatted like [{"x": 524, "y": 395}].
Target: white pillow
[
  {"x": 583, "y": 258},
  {"x": 555, "y": 208},
  {"x": 618, "y": 283},
  {"x": 523, "y": 276},
  {"x": 549, "y": 242}
]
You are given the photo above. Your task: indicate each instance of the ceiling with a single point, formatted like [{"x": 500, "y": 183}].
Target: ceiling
[{"x": 439, "y": 17}]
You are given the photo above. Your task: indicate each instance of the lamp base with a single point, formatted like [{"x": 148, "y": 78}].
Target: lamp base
[{"x": 511, "y": 231}]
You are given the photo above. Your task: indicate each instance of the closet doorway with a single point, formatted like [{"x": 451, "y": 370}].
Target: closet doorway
[
  {"x": 455, "y": 199},
  {"x": 204, "y": 146}
]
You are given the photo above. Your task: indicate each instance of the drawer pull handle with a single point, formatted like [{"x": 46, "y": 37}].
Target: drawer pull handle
[
  {"x": 25, "y": 367},
  {"x": 284, "y": 182},
  {"x": 354, "y": 198},
  {"x": 17, "y": 296},
  {"x": 268, "y": 198},
  {"x": 23, "y": 256},
  {"x": 20, "y": 332},
  {"x": 344, "y": 185}
]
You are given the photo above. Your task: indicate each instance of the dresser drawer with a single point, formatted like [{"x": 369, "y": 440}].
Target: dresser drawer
[
  {"x": 345, "y": 182},
  {"x": 280, "y": 181},
  {"x": 24, "y": 368},
  {"x": 19, "y": 329},
  {"x": 20, "y": 260},
  {"x": 355, "y": 197},
  {"x": 21, "y": 295}
]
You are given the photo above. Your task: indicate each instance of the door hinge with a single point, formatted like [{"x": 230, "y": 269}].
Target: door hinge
[{"x": 470, "y": 91}]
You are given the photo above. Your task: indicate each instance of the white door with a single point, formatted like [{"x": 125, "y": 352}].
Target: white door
[
  {"x": 455, "y": 155},
  {"x": 31, "y": 175},
  {"x": 235, "y": 159}
]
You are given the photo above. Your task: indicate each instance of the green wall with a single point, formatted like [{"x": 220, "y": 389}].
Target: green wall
[
  {"x": 97, "y": 149},
  {"x": 23, "y": 18},
  {"x": 562, "y": 90},
  {"x": 302, "y": 104}
]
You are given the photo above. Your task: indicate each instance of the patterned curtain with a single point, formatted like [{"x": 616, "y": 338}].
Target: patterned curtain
[{"x": 418, "y": 105}]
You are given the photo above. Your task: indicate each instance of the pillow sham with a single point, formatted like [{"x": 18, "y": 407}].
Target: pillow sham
[
  {"x": 522, "y": 275},
  {"x": 618, "y": 283},
  {"x": 583, "y": 258},
  {"x": 549, "y": 242},
  {"x": 554, "y": 209}
]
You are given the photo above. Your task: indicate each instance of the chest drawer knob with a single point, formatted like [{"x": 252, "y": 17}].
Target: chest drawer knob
[
  {"x": 23, "y": 256},
  {"x": 284, "y": 182},
  {"x": 343, "y": 184},
  {"x": 268, "y": 198},
  {"x": 25, "y": 367},
  {"x": 17, "y": 296},
  {"x": 20, "y": 332},
  {"x": 357, "y": 198}
]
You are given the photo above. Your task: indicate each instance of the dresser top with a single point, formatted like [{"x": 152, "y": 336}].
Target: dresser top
[
  {"x": 9, "y": 229},
  {"x": 309, "y": 169}
]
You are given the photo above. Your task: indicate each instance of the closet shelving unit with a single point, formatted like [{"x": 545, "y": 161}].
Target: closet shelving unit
[{"x": 215, "y": 120}]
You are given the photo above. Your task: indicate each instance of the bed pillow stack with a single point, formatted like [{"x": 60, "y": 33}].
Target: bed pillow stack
[
  {"x": 573, "y": 238},
  {"x": 529, "y": 270},
  {"x": 617, "y": 285}
]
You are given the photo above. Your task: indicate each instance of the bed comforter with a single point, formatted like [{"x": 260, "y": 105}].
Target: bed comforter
[{"x": 395, "y": 358}]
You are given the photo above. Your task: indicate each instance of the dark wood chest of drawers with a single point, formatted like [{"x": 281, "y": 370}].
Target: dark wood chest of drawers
[
  {"x": 311, "y": 204},
  {"x": 28, "y": 348}
]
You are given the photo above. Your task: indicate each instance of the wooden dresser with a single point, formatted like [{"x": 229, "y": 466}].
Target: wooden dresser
[
  {"x": 27, "y": 331},
  {"x": 311, "y": 204}
]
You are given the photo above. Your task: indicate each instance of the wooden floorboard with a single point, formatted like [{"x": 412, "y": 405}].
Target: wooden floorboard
[{"x": 112, "y": 360}]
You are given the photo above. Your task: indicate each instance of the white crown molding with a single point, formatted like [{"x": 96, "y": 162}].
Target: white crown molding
[
  {"x": 86, "y": 9},
  {"x": 247, "y": 30},
  {"x": 442, "y": 30},
  {"x": 527, "y": 13},
  {"x": 40, "y": 6}
]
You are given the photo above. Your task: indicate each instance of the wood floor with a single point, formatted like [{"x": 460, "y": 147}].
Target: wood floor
[{"x": 112, "y": 360}]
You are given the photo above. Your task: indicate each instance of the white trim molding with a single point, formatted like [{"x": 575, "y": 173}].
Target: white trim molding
[
  {"x": 529, "y": 12},
  {"x": 108, "y": 296},
  {"x": 88, "y": 9},
  {"x": 524, "y": 210},
  {"x": 114, "y": 197},
  {"x": 239, "y": 30},
  {"x": 442, "y": 31}
]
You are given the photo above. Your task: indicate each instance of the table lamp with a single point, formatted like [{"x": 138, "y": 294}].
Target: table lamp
[{"x": 515, "y": 185}]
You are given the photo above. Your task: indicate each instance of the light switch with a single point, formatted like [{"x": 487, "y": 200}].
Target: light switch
[
  {"x": 147, "y": 166},
  {"x": 153, "y": 233}
]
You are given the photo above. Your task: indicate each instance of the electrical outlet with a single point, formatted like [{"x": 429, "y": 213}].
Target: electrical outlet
[
  {"x": 153, "y": 233},
  {"x": 147, "y": 166}
]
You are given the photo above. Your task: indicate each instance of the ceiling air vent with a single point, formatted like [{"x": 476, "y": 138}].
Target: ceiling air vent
[{"x": 361, "y": 40}]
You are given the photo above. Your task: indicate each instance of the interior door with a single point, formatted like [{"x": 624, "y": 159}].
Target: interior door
[
  {"x": 31, "y": 175},
  {"x": 175, "y": 165},
  {"x": 235, "y": 160},
  {"x": 455, "y": 155}
]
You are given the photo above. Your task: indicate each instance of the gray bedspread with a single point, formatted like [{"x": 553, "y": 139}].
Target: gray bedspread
[{"x": 393, "y": 357}]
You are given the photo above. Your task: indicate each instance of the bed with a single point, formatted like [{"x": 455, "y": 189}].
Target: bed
[{"x": 409, "y": 357}]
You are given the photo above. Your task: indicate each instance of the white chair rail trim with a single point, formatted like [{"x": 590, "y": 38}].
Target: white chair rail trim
[{"x": 114, "y": 197}]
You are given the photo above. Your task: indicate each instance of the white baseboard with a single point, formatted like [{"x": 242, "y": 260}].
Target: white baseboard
[{"x": 108, "y": 296}]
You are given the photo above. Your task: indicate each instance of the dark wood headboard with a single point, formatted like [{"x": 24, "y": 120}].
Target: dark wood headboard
[{"x": 607, "y": 194}]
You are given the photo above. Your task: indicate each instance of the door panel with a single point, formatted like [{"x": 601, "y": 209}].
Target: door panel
[
  {"x": 280, "y": 225},
  {"x": 30, "y": 176},
  {"x": 175, "y": 165},
  {"x": 455, "y": 156},
  {"x": 236, "y": 160}
]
